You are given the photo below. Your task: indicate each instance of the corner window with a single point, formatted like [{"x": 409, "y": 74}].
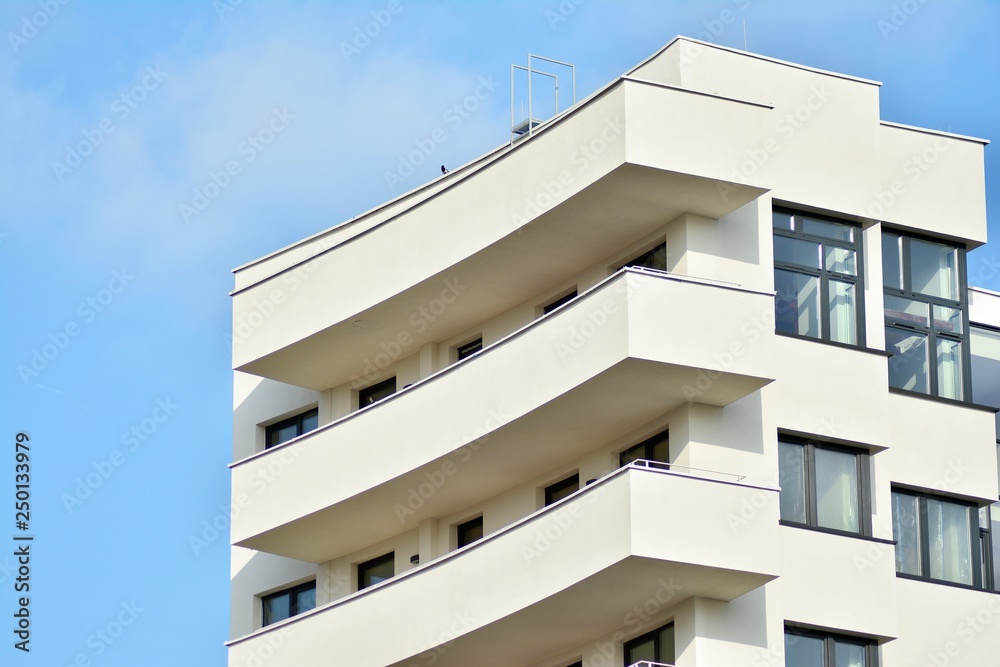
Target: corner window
[
  {"x": 655, "y": 258},
  {"x": 285, "y": 430},
  {"x": 376, "y": 570},
  {"x": 561, "y": 489},
  {"x": 469, "y": 349},
  {"x": 376, "y": 392},
  {"x": 469, "y": 532},
  {"x": 656, "y": 448},
  {"x": 984, "y": 344},
  {"x": 940, "y": 539},
  {"x": 655, "y": 646},
  {"x": 287, "y": 603},
  {"x": 559, "y": 302},
  {"x": 816, "y": 277},
  {"x": 925, "y": 316},
  {"x": 816, "y": 649},
  {"x": 823, "y": 486}
]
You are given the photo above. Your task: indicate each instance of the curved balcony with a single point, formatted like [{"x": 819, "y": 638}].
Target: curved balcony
[
  {"x": 536, "y": 400},
  {"x": 637, "y": 538}
]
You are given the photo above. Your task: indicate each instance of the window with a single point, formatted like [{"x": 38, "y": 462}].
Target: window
[
  {"x": 984, "y": 344},
  {"x": 651, "y": 259},
  {"x": 940, "y": 539},
  {"x": 376, "y": 570},
  {"x": 925, "y": 316},
  {"x": 561, "y": 489},
  {"x": 816, "y": 279},
  {"x": 815, "y": 649},
  {"x": 287, "y": 603},
  {"x": 470, "y": 531},
  {"x": 652, "y": 449},
  {"x": 823, "y": 486},
  {"x": 376, "y": 392},
  {"x": 469, "y": 349},
  {"x": 558, "y": 302},
  {"x": 655, "y": 646},
  {"x": 285, "y": 430}
]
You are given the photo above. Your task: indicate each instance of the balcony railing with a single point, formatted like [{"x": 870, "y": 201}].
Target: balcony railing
[
  {"x": 647, "y": 663},
  {"x": 673, "y": 467}
]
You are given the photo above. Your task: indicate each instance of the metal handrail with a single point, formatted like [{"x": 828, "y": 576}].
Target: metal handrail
[
  {"x": 647, "y": 663},
  {"x": 660, "y": 465}
]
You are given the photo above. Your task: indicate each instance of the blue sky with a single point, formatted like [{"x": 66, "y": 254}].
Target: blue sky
[{"x": 117, "y": 120}]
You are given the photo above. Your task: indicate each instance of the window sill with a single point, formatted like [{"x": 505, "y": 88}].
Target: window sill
[
  {"x": 941, "y": 399},
  {"x": 832, "y": 531},
  {"x": 844, "y": 346},
  {"x": 941, "y": 582}
]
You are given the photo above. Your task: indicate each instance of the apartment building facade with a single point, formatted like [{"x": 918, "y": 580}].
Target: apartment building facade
[{"x": 691, "y": 375}]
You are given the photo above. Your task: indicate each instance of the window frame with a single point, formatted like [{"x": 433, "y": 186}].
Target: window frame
[
  {"x": 291, "y": 592},
  {"x": 374, "y": 389},
  {"x": 830, "y": 640},
  {"x": 561, "y": 485},
  {"x": 366, "y": 566},
  {"x": 932, "y": 334},
  {"x": 560, "y": 301},
  {"x": 648, "y": 444},
  {"x": 468, "y": 349},
  {"x": 863, "y": 470},
  {"x": 295, "y": 420},
  {"x": 461, "y": 528},
  {"x": 982, "y": 573},
  {"x": 824, "y": 275},
  {"x": 655, "y": 636},
  {"x": 645, "y": 256}
]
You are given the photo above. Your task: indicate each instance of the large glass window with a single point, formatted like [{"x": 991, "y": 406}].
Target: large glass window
[
  {"x": 925, "y": 306},
  {"x": 656, "y": 258},
  {"x": 291, "y": 428},
  {"x": 656, "y": 448},
  {"x": 940, "y": 539},
  {"x": 816, "y": 278},
  {"x": 823, "y": 486},
  {"x": 655, "y": 646},
  {"x": 287, "y": 603},
  {"x": 376, "y": 392},
  {"x": 376, "y": 570},
  {"x": 984, "y": 343},
  {"x": 814, "y": 649},
  {"x": 561, "y": 489}
]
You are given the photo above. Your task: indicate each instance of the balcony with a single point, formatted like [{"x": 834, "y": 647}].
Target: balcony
[
  {"x": 637, "y": 538},
  {"x": 535, "y": 400}
]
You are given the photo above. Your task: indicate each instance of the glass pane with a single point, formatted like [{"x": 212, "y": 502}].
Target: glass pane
[
  {"x": 795, "y": 251},
  {"x": 643, "y": 651},
  {"x": 849, "y": 655},
  {"x": 305, "y": 600},
  {"x": 949, "y": 361},
  {"x": 985, "y": 348},
  {"x": 949, "y": 535},
  {"x": 948, "y": 319},
  {"x": 796, "y": 303},
  {"x": 781, "y": 220},
  {"x": 901, "y": 309},
  {"x": 830, "y": 230},
  {"x": 906, "y": 532},
  {"x": 374, "y": 572},
  {"x": 908, "y": 365},
  {"x": 934, "y": 269},
  {"x": 276, "y": 608},
  {"x": 840, "y": 260},
  {"x": 667, "y": 645},
  {"x": 310, "y": 423},
  {"x": 892, "y": 268},
  {"x": 803, "y": 651},
  {"x": 843, "y": 311},
  {"x": 659, "y": 449},
  {"x": 792, "y": 480},
  {"x": 995, "y": 535},
  {"x": 283, "y": 434},
  {"x": 837, "y": 490},
  {"x": 633, "y": 453}
]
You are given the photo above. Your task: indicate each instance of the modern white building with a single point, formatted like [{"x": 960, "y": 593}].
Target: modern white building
[{"x": 691, "y": 375}]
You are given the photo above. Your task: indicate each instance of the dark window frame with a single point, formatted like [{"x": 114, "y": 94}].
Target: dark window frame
[
  {"x": 643, "y": 259},
  {"x": 932, "y": 333},
  {"x": 560, "y": 486},
  {"x": 982, "y": 574},
  {"x": 467, "y": 350},
  {"x": 830, "y": 640},
  {"x": 364, "y": 395},
  {"x": 292, "y": 606},
  {"x": 653, "y": 635},
  {"x": 365, "y": 567},
  {"x": 863, "y": 469},
  {"x": 824, "y": 276},
  {"x": 561, "y": 301},
  {"x": 461, "y": 538},
  {"x": 296, "y": 420},
  {"x": 647, "y": 446}
]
